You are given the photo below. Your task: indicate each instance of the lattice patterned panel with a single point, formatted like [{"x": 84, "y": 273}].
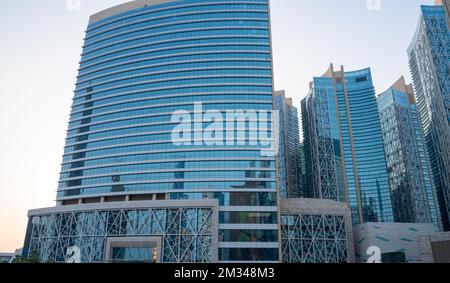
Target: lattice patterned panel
[
  {"x": 187, "y": 233},
  {"x": 314, "y": 239}
]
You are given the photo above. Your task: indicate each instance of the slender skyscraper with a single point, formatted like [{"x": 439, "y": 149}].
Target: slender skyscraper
[
  {"x": 128, "y": 191},
  {"x": 413, "y": 193},
  {"x": 429, "y": 57},
  {"x": 288, "y": 161},
  {"x": 343, "y": 144}
]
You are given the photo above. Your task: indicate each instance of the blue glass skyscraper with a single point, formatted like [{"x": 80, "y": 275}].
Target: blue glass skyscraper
[
  {"x": 143, "y": 61},
  {"x": 429, "y": 57},
  {"x": 343, "y": 144},
  {"x": 413, "y": 193}
]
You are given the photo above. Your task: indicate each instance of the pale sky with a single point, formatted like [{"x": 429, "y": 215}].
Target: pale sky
[{"x": 41, "y": 46}]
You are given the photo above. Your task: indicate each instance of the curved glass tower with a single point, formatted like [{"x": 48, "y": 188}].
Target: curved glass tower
[{"x": 142, "y": 62}]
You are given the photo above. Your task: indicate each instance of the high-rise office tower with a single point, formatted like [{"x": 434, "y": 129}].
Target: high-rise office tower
[
  {"x": 343, "y": 144},
  {"x": 127, "y": 191},
  {"x": 413, "y": 194},
  {"x": 288, "y": 161},
  {"x": 429, "y": 57}
]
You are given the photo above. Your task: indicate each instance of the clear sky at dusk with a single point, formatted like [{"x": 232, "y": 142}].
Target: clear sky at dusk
[{"x": 41, "y": 46}]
